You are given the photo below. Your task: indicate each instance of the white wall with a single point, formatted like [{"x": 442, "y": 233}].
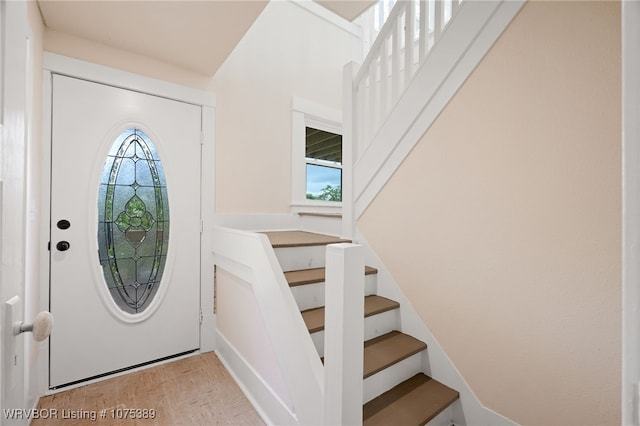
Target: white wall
[
  {"x": 287, "y": 52},
  {"x": 239, "y": 320}
]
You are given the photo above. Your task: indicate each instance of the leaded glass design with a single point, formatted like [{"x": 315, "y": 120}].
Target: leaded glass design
[{"x": 133, "y": 221}]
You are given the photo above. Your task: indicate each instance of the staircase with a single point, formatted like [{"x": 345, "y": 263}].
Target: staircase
[{"x": 396, "y": 391}]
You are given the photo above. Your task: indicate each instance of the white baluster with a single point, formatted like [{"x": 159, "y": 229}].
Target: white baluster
[
  {"x": 409, "y": 18},
  {"x": 349, "y": 148},
  {"x": 424, "y": 31},
  {"x": 384, "y": 101},
  {"x": 437, "y": 21},
  {"x": 363, "y": 133},
  {"x": 373, "y": 84},
  {"x": 366, "y": 112},
  {"x": 395, "y": 61}
]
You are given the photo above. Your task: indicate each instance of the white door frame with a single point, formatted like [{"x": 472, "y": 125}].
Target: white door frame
[
  {"x": 57, "y": 64},
  {"x": 630, "y": 212}
]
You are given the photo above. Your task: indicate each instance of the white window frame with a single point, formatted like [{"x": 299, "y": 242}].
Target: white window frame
[{"x": 305, "y": 113}]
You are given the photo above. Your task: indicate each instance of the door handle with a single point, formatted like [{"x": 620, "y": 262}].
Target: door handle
[{"x": 63, "y": 245}]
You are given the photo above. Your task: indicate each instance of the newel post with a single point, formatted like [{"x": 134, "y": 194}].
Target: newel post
[{"x": 344, "y": 334}]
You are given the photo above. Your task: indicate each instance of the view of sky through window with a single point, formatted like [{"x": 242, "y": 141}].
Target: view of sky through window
[{"x": 318, "y": 177}]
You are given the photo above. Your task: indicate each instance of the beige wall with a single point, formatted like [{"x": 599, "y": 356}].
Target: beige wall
[
  {"x": 503, "y": 225},
  {"x": 91, "y": 51}
]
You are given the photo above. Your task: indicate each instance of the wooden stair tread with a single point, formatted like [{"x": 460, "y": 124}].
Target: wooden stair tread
[
  {"x": 413, "y": 402},
  {"x": 280, "y": 239},
  {"x": 373, "y": 305},
  {"x": 388, "y": 349},
  {"x": 315, "y": 275}
]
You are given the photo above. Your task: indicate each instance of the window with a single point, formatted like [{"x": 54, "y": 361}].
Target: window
[
  {"x": 316, "y": 158},
  {"x": 133, "y": 221},
  {"x": 323, "y": 156}
]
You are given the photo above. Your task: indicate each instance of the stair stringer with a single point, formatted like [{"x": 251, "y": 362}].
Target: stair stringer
[
  {"x": 468, "y": 410},
  {"x": 465, "y": 41}
]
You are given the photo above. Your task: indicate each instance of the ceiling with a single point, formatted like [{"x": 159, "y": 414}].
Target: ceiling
[
  {"x": 322, "y": 145},
  {"x": 178, "y": 32}
]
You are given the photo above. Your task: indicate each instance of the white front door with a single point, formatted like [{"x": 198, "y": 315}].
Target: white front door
[{"x": 125, "y": 229}]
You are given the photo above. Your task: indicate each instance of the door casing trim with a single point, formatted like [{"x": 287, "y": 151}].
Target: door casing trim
[{"x": 71, "y": 67}]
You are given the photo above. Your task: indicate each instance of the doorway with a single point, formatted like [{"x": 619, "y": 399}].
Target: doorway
[{"x": 125, "y": 177}]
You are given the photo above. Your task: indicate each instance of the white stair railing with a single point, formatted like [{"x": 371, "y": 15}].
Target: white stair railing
[
  {"x": 329, "y": 394},
  {"x": 412, "y": 29}
]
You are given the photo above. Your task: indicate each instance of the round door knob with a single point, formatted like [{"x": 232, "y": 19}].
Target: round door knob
[
  {"x": 41, "y": 327},
  {"x": 63, "y": 245}
]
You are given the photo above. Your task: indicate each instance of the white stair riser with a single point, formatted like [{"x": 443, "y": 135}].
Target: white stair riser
[
  {"x": 374, "y": 326},
  {"x": 311, "y": 296},
  {"x": 295, "y": 258},
  {"x": 321, "y": 225},
  {"x": 442, "y": 419},
  {"x": 377, "y": 325},
  {"x": 391, "y": 376}
]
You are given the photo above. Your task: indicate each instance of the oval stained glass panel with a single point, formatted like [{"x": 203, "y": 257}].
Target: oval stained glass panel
[{"x": 133, "y": 221}]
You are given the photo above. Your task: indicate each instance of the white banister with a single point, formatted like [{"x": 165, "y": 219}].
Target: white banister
[
  {"x": 344, "y": 334},
  {"x": 411, "y": 30}
]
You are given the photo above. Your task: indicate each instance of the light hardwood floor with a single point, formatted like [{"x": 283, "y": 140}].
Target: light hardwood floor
[{"x": 193, "y": 391}]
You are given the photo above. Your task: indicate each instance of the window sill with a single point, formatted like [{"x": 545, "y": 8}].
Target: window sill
[{"x": 325, "y": 208}]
